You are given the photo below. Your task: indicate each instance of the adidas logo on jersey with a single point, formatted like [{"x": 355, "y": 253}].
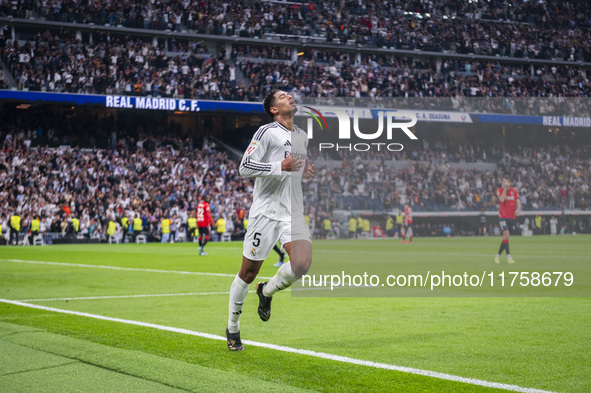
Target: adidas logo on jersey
[{"x": 287, "y": 143}]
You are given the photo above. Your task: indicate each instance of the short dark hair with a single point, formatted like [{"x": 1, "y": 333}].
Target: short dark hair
[{"x": 269, "y": 102}]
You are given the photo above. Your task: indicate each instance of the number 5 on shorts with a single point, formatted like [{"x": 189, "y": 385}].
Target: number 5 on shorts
[{"x": 256, "y": 241}]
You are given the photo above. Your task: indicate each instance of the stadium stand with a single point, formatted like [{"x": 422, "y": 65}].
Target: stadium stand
[
  {"x": 157, "y": 177},
  {"x": 62, "y": 63},
  {"x": 416, "y": 49},
  {"x": 330, "y": 49},
  {"x": 545, "y": 178},
  {"x": 95, "y": 185},
  {"x": 525, "y": 29}
]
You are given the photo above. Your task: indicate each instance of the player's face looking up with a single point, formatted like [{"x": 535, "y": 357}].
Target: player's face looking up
[{"x": 284, "y": 104}]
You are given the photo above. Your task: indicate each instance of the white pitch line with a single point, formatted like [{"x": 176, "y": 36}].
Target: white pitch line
[
  {"x": 132, "y": 269},
  {"x": 169, "y": 294},
  {"x": 322, "y": 355},
  {"x": 126, "y": 296},
  {"x": 461, "y": 254}
]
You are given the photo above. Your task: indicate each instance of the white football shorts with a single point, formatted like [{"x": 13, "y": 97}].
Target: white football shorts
[{"x": 263, "y": 233}]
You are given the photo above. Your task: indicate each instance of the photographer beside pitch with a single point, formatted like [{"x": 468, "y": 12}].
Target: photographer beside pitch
[
  {"x": 509, "y": 208},
  {"x": 277, "y": 158}
]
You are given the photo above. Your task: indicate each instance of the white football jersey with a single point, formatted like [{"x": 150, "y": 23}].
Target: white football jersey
[{"x": 277, "y": 194}]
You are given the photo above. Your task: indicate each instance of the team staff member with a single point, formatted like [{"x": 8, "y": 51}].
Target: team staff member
[
  {"x": 204, "y": 221},
  {"x": 221, "y": 227},
  {"x": 125, "y": 226},
  {"x": 366, "y": 226},
  {"x": 15, "y": 228},
  {"x": 138, "y": 227},
  {"x": 76, "y": 225},
  {"x": 538, "y": 225},
  {"x": 165, "y": 228},
  {"x": 111, "y": 228},
  {"x": 352, "y": 227},
  {"x": 390, "y": 227},
  {"x": 35, "y": 225},
  {"x": 509, "y": 208},
  {"x": 192, "y": 224},
  {"x": 326, "y": 226},
  {"x": 359, "y": 226}
]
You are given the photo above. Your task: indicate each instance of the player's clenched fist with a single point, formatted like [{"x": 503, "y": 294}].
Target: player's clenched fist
[{"x": 291, "y": 163}]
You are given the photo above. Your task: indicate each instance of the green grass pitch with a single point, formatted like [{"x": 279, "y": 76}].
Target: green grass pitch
[{"x": 531, "y": 342}]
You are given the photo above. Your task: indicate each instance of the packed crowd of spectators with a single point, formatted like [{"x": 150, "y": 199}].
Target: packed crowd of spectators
[
  {"x": 408, "y": 77},
  {"x": 261, "y": 52},
  {"x": 109, "y": 65},
  {"x": 547, "y": 178},
  {"x": 62, "y": 63},
  {"x": 129, "y": 180},
  {"x": 549, "y": 29},
  {"x": 155, "y": 177}
]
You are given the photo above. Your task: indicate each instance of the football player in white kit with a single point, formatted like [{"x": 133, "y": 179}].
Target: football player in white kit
[{"x": 277, "y": 158}]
